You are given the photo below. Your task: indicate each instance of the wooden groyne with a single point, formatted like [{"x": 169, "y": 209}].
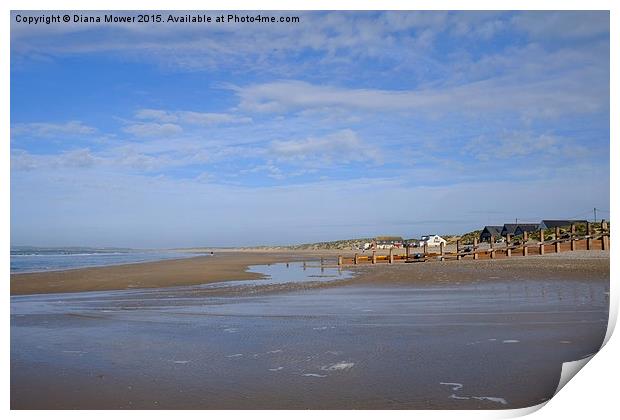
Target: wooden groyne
[{"x": 557, "y": 242}]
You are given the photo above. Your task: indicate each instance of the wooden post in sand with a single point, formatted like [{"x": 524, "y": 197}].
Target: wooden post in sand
[
  {"x": 475, "y": 248},
  {"x": 557, "y": 239},
  {"x": 407, "y": 252},
  {"x": 541, "y": 244},
  {"x": 425, "y": 249},
  {"x": 508, "y": 244},
  {"x": 525, "y": 238},
  {"x": 458, "y": 251},
  {"x": 355, "y": 259},
  {"x": 573, "y": 243},
  {"x": 374, "y": 257},
  {"x": 588, "y": 234},
  {"x": 391, "y": 255},
  {"x": 491, "y": 246},
  {"x": 339, "y": 259},
  {"x": 441, "y": 251},
  {"x": 605, "y": 237}
]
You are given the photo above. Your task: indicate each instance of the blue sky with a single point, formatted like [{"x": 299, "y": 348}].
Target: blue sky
[{"x": 344, "y": 125}]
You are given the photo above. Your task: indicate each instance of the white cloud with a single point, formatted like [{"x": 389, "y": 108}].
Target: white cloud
[
  {"x": 565, "y": 94},
  {"x": 340, "y": 147},
  {"x": 563, "y": 24},
  {"x": 40, "y": 129},
  {"x": 80, "y": 158},
  {"x": 517, "y": 144},
  {"x": 191, "y": 117},
  {"x": 153, "y": 129}
]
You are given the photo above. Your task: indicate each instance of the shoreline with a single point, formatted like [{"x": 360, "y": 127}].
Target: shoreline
[
  {"x": 234, "y": 264},
  {"x": 191, "y": 271}
]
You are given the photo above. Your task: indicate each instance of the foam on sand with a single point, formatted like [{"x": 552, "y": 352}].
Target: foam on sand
[
  {"x": 455, "y": 385},
  {"x": 338, "y": 366}
]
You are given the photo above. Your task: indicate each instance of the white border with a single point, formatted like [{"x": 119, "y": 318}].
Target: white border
[{"x": 592, "y": 394}]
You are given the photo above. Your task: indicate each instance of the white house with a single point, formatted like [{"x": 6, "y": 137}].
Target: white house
[{"x": 432, "y": 240}]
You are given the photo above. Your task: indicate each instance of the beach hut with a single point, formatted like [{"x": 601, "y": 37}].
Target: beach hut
[
  {"x": 516, "y": 229},
  {"x": 488, "y": 231},
  {"x": 525, "y": 227},
  {"x": 552, "y": 224}
]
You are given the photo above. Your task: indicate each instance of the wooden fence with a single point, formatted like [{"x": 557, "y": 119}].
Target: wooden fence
[{"x": 567, "y": 242}]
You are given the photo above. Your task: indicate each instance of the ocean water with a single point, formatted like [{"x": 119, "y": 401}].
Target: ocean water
[{"x": 31, "y": 259}]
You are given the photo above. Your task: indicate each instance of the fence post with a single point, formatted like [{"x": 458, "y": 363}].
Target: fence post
[
  {"x": 425, "y": 249},
  {"x": 441, "y": 250},
  {"x": 458, "y": 251},
  {"x": 508, "y": 250},
  {"x": 475, "y": 248},
  {"x": 557, "y": 239},
  {"x": 374, "y": 257},
  {"x": 588, "y": 234},
  {"x": 355, "y": 259},
  {"x": 573, "y": 244},
  {"x": 391, "y": 255},
  {"x": 605, "y": 237},
  {"x": 407, "y": 252},
  {"x": 525, "y": 238},
  {"x": 339, "y": 259},
  {"x": 491, "y": 246},
  {"x": 541, "y": 246}
]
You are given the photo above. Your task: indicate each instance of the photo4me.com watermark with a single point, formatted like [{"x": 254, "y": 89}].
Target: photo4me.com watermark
[{"x": 153, "y": 18}]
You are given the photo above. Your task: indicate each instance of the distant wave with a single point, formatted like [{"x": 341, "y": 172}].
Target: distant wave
[{"x": 30, "y": 260}]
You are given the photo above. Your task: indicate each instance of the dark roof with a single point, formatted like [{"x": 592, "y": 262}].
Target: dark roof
[
  {"x": 518, "y": 228},
  {"x": 491, "y": 230},
  {"x": 526, "y": 227},
  {"x": 509, "y": 229},
  {"x": 548, "y": 224}
]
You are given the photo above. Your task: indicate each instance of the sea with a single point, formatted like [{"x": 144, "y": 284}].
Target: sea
[{"x": 28, "y": 259}]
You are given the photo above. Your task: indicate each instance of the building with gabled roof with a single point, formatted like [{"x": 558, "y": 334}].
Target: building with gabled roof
[
  {"x": 516, "y": 229},
  {"x": 488, "y": 231},
  {"x": 551, "y": 224}
]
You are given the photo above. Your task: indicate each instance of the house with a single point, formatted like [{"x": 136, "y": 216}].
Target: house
[
  {"x": 488, "y": 231},
  {"x": 525, "y": 227},
  {"x": 432, "y": 240},
  {"x": 552, "y": 224},
  {"x": 516, "y": 229},
  {"x": 387, "y": 242}
]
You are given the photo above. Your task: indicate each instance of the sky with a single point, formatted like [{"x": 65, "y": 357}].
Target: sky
[{"x": 344, "y": 125}]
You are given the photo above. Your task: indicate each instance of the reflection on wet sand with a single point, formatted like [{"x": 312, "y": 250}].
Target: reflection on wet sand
[{"x": 486, "y": 345}]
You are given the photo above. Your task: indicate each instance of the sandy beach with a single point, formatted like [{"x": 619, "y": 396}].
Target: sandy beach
[
  {"x": 180, "y": 334},
  {"x": 233, "y": 265},
  {"x": 222, "y": 266}
]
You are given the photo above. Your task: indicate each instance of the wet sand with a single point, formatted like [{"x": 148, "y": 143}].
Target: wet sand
[{"x": 451, "y": 335}]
